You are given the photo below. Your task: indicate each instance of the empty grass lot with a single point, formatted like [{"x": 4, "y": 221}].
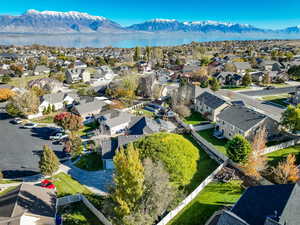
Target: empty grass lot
[
  {"x": 218, "y": 143},
  {"x": 212, "y": 198},
  {"x": 194, "y": 118}
]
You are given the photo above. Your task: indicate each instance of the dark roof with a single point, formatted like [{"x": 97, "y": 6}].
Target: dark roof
[
  {"x": 27, "y": 198},
  {"x": 109, "y": 147},
  {"x": 211, "y": 100},
  {"x": 242, "y": 117},
  {"x": 260, "y": 202},
  {"x": 144, "y": 126}
]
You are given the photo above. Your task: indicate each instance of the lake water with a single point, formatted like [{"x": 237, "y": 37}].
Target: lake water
[{"x": 129, "y": 40}]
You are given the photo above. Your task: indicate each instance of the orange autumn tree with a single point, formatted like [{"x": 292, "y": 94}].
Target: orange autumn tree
[
  {"x": 257, "y": 161},
  {"x": 6, "y": 93},
  {"x": 286, "y": 171}
]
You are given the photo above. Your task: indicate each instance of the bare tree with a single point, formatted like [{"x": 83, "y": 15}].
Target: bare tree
[
  {"x": 182, "y": 110},
  {"x": 286, "y": 171},
  {"x": 257, "y": 161}
]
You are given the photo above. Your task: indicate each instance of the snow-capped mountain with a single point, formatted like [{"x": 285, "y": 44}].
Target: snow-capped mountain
[
  {"x": 291, "y": 30},
  {"x": 195, "y": 26},
  {"x": 34, "y": 21}
]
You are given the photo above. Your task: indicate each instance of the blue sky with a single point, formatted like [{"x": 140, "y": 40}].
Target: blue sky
[{"x": 260, "y": 13}]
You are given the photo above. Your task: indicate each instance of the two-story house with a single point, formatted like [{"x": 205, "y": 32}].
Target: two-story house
[
  {"x": 77, "y": 75},
  {"x": 210, "y": 105}
]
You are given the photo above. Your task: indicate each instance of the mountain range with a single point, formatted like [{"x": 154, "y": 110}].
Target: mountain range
[{"x": 34, "y": 21}]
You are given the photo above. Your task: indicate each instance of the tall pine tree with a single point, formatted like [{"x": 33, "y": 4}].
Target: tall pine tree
[{"x": 49, "y": 162}]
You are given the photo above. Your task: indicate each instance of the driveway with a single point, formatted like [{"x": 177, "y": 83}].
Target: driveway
[{"x": 20, "y": 148}]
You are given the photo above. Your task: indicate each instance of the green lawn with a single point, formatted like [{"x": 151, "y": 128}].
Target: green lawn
[
  {"x": 44, "y": 119},
  {"x": 9, "y": 181},
  {"x": 90, "y": 162},
  {"x": 280, "y": 155},
  {"x": 66, "y": 185},
  {"x": 206, "y": 166},
  {"x": 218, "y": 143},
  {"x": 78, "y": 213},
  {"x": 194, "y": 118},
  {"x": 143, "y": 112},
  {"x": 212, "y": 198},
  {"x": 22, "y": 81},
  {"x": 5, "y": 191},
  {"x": 277, "y": 99}
]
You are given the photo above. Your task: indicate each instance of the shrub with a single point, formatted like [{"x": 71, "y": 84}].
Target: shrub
[
  {"x": 238, "y": 149},
  {"x": 178, "y": 155}
]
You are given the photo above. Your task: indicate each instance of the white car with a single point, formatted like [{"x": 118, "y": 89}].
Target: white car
[
  {"x": 29, "y": 125},
  {"x": 58, "y": 137}
]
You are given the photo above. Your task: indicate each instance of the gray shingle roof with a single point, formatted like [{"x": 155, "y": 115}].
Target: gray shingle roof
[
  {"x": 260, "y": 202},
  {"x": 54, "y": 98},
  {"x": 210, "y": 99},
  {"x": 242, "y": 65},
  {"x": 27, "y": 198},
  {"x": 90, "y": 107},
  {"x": 242, "y": 117}
]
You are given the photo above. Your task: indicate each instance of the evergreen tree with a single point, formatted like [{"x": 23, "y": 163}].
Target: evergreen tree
[
  {"x": 137, "y": 54},
  {"x": 49, "y": 162},
  {"x": 238, "y": 149},
  {"x": 53, "y": 108},
  {"x": 214, "y": 84},
  {"x": 247, "y": 80},
  {"x": 129, "y": 181}
]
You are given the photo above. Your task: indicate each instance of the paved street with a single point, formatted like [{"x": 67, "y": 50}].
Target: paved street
[
  {"x": 264, "y": 92},
  {"x": 268, "y": 109},
  {"x": 20, "y": 148}
]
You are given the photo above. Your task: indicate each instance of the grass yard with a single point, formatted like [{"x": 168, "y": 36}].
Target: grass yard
[
  {"x": 9, "y": 189},
  {"x": 280, "y": 155},
  {"x": 44, "y": 119},
  {"x": 277, "y": 99},
  {"x": 218, "y": 143},
  {"x": 206, "y": 166},
  {"x": 90, "y": 162},
  {"x": 78, "y": 213},
  {"x": 66, "y": 185},
  {"x": 212, "y": 198},
  {"x": 143, "y": 112},
  {"x": 22, "y": 81},
  {"x": 194, "y": 118}
]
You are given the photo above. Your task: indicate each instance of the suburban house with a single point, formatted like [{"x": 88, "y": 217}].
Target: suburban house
[
  {"x": 28, "y": 204},
  {"x": 239, "y": 119},
  {"x": 228, "y": 78},
  {"x": 103, "y": 74},
  {"x": 47, "y": 84},
  {"x": 112, "y": 122},
  {"x": 242, "y": 67},
  {"x": 58, "y": 100},
  {"x": 270, "y": 65},
  {"x": 79, "y": 65},
  {"x": 146, "y": 85},
  {"x": 263, "y": 205},
  {"x": 88, "y": 108},
  {"x": 77, "y": 75},
  {"x": 295, "y": 96},
  {"x": 210, "y": 105},
  {"x": 41, "y": 70}
]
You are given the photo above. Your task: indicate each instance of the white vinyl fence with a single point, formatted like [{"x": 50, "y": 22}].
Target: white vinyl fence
[
  {"x": 191, "y": 196},
  {"x": 280, "y": 146},
  {"x": 77, "y": 198}
]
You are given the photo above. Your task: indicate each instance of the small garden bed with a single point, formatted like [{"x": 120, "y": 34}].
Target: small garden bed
[
  {"x": 90, "y": 162},
  {"x": 212, "y": 198}
]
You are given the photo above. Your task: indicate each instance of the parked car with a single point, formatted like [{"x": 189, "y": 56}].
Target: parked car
[
  {"x": 16, "y": 121},
  {"x": 48, "y": 184},
  {"x": 58, "y": 137},
  {"x": 270, "y": 88},
  {"x": 29, "y": 125}
]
